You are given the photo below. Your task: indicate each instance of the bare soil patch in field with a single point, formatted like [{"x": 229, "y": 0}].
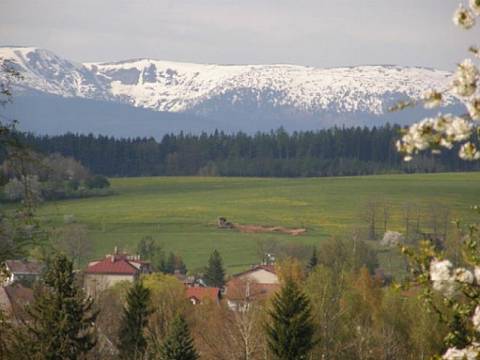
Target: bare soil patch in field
[{"x": 269, "y": 229}]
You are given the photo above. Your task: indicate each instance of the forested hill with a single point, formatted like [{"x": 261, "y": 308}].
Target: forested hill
[{"x": 331, "y": 152}]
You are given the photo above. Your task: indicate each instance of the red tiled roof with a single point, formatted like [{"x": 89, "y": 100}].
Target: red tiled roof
[
  {"x": 24, "y": 266},
  {"x": 201, "y": 293},
  {"x": 120, "y": 266}
]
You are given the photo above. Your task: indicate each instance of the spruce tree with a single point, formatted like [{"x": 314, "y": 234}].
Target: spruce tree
[
  {"x": 290, "y": 329},
  {"x": 215, "y": 274},
  {"x": 61, "y": 318},
  {"x": 313, "y": 262},
  {"x": 178, "y": 344},
  {"x": 170, "y": 264},
  {"x": 132, "y": 342}
]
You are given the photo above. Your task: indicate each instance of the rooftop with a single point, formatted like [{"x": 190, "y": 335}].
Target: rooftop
[{"x": 24, "y": 266}]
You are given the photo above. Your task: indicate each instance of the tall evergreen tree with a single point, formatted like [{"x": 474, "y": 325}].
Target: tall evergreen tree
[
  {"x": 131, "y": 338},
  {"x": 313, "y": 262},
  {"x": 61, "y": 317},
  {"x": 290, "y": 328},
  {"x": 178, "y": 344},
  {"x": 215, "y": 274}
]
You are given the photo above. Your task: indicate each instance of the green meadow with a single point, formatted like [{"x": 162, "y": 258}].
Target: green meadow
[{"x": 181, "y": 212}]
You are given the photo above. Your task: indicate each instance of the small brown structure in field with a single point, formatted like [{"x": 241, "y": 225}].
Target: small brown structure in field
[{"x": 222, "y": 223}]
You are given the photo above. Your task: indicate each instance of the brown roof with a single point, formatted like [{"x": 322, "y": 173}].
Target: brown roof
[
  {"x": 24, "y": 267},
  {"x": 112, "y": 265},
  {"x": 14, "y": 298},
  {"x": 238, "y": 289},
  {"x": 201, "y": 293}
]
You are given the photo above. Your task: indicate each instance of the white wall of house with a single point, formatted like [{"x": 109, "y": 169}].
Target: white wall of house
[
  {"x": 261, "y": 276},
  {"x": 96, "y": 283}
]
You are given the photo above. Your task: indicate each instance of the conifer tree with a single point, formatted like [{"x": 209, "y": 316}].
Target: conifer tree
[
  {"x": 215, "y": 274},
  {"x": 61, "y": 319},
  {"x": 178, "y": 344},
  {"x": 170, "y": 264},
  {"x": 132, "y": 342},
  {"x": 290, "y": 328},
  {"x": 313, "y": 262}
]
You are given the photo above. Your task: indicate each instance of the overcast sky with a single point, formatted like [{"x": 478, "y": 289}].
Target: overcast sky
[{"x": 307, "y": 32}]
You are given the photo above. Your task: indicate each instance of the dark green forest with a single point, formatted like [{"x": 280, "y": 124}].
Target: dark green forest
[{"x": 329, "y": 152}]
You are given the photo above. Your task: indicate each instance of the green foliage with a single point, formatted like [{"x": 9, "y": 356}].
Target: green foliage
[
  {"x": 97, "y": 182},
  {"x": 61, "y": 319},
  {"x": 150, "y": 250},
  {"x": 178, "y": 344},
  {"x": 215, "y": 274},
  {"x": 327, "y": 152},
  {"x": 131, "y": 338},
  {"x": 168, "y": 300},
  {"x": 290, "y": 328}
]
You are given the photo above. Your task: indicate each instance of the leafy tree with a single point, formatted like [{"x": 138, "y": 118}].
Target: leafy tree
[
  {"x": 178, "y": 344},
  {"x": 215, "y": 274},
  {"x": 61, "y": 319},
  {"x": 97, "y": 182},
  {"x": 150, "y": 250},
  {"x": 290, "y": 327},
  {"x": 132, "y": 342}
]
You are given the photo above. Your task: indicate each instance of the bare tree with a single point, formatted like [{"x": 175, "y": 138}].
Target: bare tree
[
  {"x": 74, "y": 241},
  {"x": 370, "y": 215}
]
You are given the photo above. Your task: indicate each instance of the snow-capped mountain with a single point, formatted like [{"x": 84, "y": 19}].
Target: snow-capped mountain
[{"x": 236, "y": 97}]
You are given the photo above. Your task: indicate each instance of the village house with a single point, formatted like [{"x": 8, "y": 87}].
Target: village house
[
  {"x": 254, "y": 285},
  {"x": 198, "y": 295},
  {"x": 102, "y": 274},
  {"x": 24, "y": 271},
  {"x": 189, "y": 280},
  {"x": 13, "y": 299}
]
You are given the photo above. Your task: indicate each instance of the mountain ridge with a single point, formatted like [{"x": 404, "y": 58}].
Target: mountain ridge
[{"x": 232, "y": 95}]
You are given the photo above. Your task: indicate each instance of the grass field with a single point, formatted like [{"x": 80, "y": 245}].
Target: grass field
[{"x": 181, "y": 212}]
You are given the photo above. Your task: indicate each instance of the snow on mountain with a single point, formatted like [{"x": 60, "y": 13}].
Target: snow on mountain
[
  {"x": 169, "y": 86},
  {"x": 219, "y": 91}
]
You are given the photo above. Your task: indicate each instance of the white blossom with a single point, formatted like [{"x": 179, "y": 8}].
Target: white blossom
[
  {"x": 469, "y": 151},
  {"x": 476, "y": 318},
  {"x": 476, "y": 271},
  {"x": 441, "y": 131},
  {"x": 463, "y": 18},
  {"x": 432, "y": 99},
  {"x": 446, "y": 143},
  {"x": 465, "y": 82},
  {"x": 475, "y": 6},
  {"x": 457, "y": 128},
  {"x": 463, "y": 276},
  {"x": 442, "y": 278},
  {"x": 474, "y": 108},
  {"x": 469, "y": 353},
  {"x": 440, "y": 270}
]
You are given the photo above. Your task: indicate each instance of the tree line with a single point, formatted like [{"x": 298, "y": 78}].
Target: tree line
[{"x": 328, "y": 152}]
